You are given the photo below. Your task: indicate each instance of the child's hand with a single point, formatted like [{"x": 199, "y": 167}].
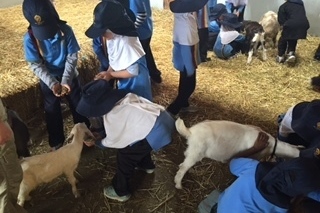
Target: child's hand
[
  {"x": 261, "y": 141},
  {"x": 56, "y": 89},
  {"x": 105, "y": 75},
  {"x": 65, "y": 90}
]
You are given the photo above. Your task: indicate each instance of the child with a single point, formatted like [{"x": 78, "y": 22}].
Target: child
[
  {"x": 292, "y": 17},
  {"x": 301, "y": 125},
  {"x": 51, "y": 50},
  {"x": 237, "y": 7},
  {"x": 185, "y": 51},
  {"x": 269, "y": 187},
  {"x": 10, "y": 169},
  {"x": 144, "y": 25},
  {"x": 99, "y": 44},
  {"x": 229, "y": 41},
  {"x": 133, "y": 125},
  {"x": 215, "y": 13},
  {"x": 126, "y": 56}
]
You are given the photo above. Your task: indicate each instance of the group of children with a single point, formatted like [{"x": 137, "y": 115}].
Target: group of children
[
  {"x": 121, "y": 33},
  {"x": 226, "y": 40}
]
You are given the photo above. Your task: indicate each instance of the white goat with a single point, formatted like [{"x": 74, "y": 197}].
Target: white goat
[
  {"x": 271, "y": 27},
  {"x": 221, "y": 140},
  {"x": 45, "y": 167}
]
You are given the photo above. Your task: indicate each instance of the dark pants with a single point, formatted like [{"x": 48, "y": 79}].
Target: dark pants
[
  {"x": 53, "y": 113},
  {"x": 203, "y": 43},
  {"x": 285, "y": 45},
  {"x": 187, "y": 84},
  {"x": 127, "y": 159},
  {"x": 152, "y": 67}
]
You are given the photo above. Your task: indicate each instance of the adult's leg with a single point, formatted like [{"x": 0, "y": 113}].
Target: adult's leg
[
  {"x": 10, "y": 179},
  {"x": 154, "y": 73},
  {"x": 53, "y": 116},
  {"x": 73, "y": 99},
  {"x": 127, "y": 159}
]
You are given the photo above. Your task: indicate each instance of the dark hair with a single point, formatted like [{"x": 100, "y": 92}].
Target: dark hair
[{"x": 302, "y": 204}]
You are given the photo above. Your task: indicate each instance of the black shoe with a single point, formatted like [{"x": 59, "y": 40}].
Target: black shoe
[
  {"x": 156, "y": 78},
  {"x": 205, "y": 59}
]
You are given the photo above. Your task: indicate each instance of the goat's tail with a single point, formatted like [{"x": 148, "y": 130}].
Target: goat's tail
[{"x": 182, "y": 129}]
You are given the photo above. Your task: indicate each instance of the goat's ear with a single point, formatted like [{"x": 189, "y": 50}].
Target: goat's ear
[{"x": 70, "y": 137}]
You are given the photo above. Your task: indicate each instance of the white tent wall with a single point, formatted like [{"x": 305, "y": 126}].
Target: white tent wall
[{"x": 256, "y": 8}]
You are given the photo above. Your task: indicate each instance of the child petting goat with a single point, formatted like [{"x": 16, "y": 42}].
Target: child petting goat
[
  {"x": 222, "y": 140},
  {"x": 45, "y": 167}
]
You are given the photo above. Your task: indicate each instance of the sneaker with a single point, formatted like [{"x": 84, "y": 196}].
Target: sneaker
[
  {"x": 291, "y": 59},
  {"x": 280, "y": 59},
  {"x": 109, "y": 192},
  {"x": 189, "y": 109},
  {"x": 148, "y": 171}
]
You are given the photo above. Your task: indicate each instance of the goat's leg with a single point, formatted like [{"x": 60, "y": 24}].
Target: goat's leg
[
  {"x": 24, "y": 191},
  {"x": 264, "y": 50},
  {"x": 250, "y": 53},
  {"x": 188, "y": 162},
  {"x": 72, "y": 180}
]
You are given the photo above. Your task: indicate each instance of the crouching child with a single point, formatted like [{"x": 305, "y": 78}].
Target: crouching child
[{"x": 133, "y": 125}]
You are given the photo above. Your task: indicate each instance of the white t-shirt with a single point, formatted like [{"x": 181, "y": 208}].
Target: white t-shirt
[
  {"x": 123, "y": 51},
  {"x": 185, "y": 30},
  {"x": 285, "y": 127},
  {"x": 129, "y": 121}
]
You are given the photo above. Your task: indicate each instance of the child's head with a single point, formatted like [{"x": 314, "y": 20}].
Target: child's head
[
  {"x": 43, "y": 18},
  {"x": 229, "y": 21},
  {"x": 280, "y": 183},
  {"x": 111, "y": 15}
]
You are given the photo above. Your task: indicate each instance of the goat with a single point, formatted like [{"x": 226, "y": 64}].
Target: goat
[
  {"x": 221, "y": 140},
  {"x": 254, "y": 38},
  {"x": 45, "y": 167},
  {"x": 271, "y": 27}
]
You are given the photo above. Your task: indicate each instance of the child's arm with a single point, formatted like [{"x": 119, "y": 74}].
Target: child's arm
[
  {"x": 36, "y": 64},
  {"x": 102, "y": 55},
  {"x": 70, "y": 71},
  {"x": 281, "y": 16},
  {"x": 260, "y": 144},
  {"x": 141, "y": 14}
]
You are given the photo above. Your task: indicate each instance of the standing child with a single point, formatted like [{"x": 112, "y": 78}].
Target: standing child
[
  {"x": 51, "y": 50},
  {"x": 292, "y": 17},
  {"x": 126, "y": 56},
  {"x": 144, "y": 25},
  {"x": 133, "y": 125},
  {"x": 185, "y": 51},
  {"x": 237, "y": 7},
  {"x": 99, "y": 44}
]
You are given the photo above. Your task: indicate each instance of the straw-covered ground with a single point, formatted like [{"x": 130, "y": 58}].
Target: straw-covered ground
[{"x": 232, "y": 90}]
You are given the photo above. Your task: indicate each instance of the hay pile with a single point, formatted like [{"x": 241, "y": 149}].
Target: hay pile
[{"x": 231, "y": 90}]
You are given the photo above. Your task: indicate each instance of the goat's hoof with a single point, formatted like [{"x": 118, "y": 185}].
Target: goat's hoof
[
  {"x": 20, "y": 203},
  {"x": 178, "y": 186},
  {"x": 77, "y": 194}
]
